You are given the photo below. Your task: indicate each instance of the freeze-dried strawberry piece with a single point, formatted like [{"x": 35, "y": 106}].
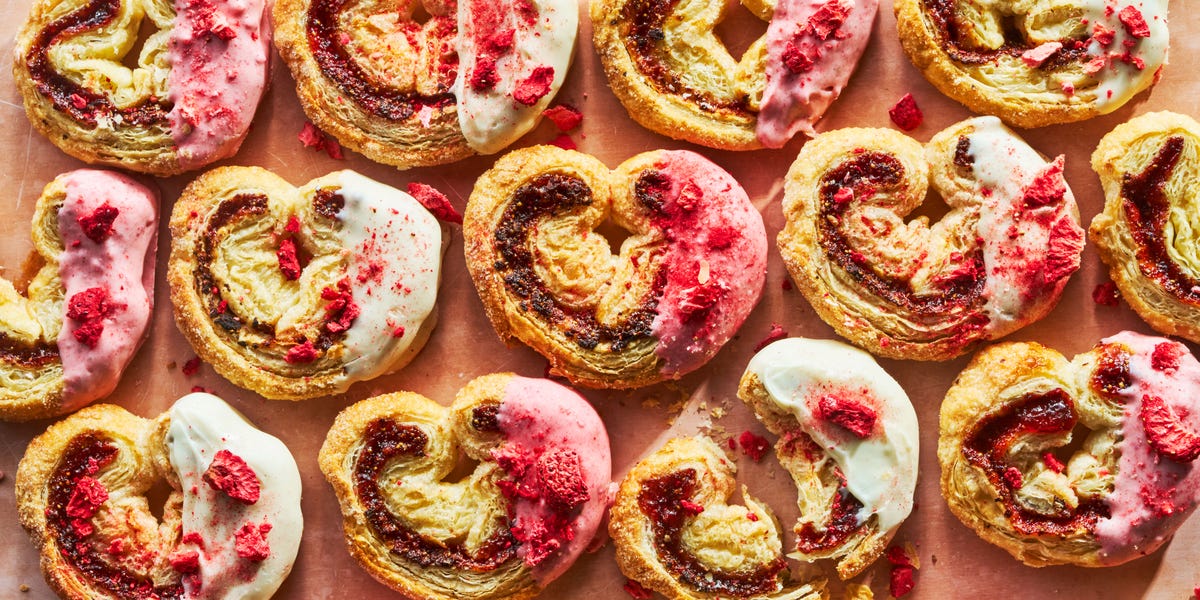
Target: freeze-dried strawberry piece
[
  {"x": 901, "y": 582},
  {"x": 854, "y": 416},
  {"x": 1166, "y": 433},
  {"x": 1107, "y": 294},
  {"x": 1166, "y": 357},
  {"x": 230, "y": 474},
  {"x": 1048, "y": 187},
  {"x": 435, "y": 202},
  {"x": 636, "y": 590},
  {"x": 250, "y": 542},
  {"x": 98, "y": 225},
  {"x": 755, "y": 446},
  {"x": 906, "y": 114},
  {"x": 185, "y": 561},
  {"x": 564, "y": 117},
  {"x": 561, "y": 475},
  {"x": 777, "y": 333},
  {"x": 1134, "y": 22}
]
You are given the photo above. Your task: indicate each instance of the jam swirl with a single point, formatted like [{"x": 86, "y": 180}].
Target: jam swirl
[
  {"x": 81, "y": 104},
  {"x": 547, "y": 196},
  {"x": 334, "y": 60},
  {"x": 948, "y": 27},
  {"x": 1051, "y": 412},
  {"x": 29, "y": 357},
  {"x": 384, "y": 440},
  {"x": 866, "y": 173},
  {"x": 661, "y": 500},
  {"x": 1147, "y": 210},
  {"x": 85, "y": 455}
]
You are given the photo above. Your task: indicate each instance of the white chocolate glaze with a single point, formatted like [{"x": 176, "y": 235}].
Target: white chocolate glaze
[
  {"x": 200, "y": 426},
  {"x": 881, "y": 469},
  {"x": 1120, "y": 80},
  {"x": 122, "y": 264},
  {"x": 491, "y": 119},
  {"x": 394, "y": 251}
]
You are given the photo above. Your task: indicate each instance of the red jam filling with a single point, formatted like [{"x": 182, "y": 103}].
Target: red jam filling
[
  {"x": 843, "y": 522},
  {"x": 1147, "y": 210},
  {"x": 384, "y": 440},
  {"x": 335, "y": 62},
  {"x": 84, "y": 457},
  {"x": 662, "y": 499},
  {"x": 642, "y": 23},
  {"x": 987, "y": 448},
  {"x": 1112, "y": 371},
  {"x": 230, "y": 474},
  {"x": 875, "y": 171},
  {"x": 949, "y": 25},
  {"x": 548, "y": 196},
  {"x": 82, "y": 104},
  {"x": 28, "y": 357}
]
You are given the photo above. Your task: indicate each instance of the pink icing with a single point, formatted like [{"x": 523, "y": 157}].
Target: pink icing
[
  {"x": 122, "y": 264},
  {"x": 796, "y": 98},
  {"x": 1151, "y": 495},
  {"x": 715, "y": 265},
  {"x": 218, "y": 56},
  {"x": 540, "y": 418}
]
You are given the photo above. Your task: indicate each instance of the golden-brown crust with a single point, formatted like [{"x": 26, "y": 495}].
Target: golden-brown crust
[
  {"x": 1126, "y": 151},
  {"x": 721, "y": 534},
  {"x": 403, "y": 143},
  {"x": 252, "y": 284},
  {"x": 443, "y": 507},
  {"x": 141, "y": 461},
  {"x": 707, "y": 61}
]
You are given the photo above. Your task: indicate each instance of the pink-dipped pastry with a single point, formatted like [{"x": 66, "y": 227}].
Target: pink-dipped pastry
[
  {"x": 188, "y": 102},
  {"x": 690, "y": 271},
  {"x": 516, "y": 523},
  {"x": 66, "y": 337},
  {"x": 911, "y": 289},
  {"x": 1121, "y": 495},
  {"x": 813, "y": 47}
]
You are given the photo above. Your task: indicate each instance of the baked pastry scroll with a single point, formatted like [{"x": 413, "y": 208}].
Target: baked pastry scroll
[
  {"x": 1037, "y": 63},
  {"x": 519, "y": 520},
  {"x": 675, "y": 76},
  {"x": 996, "y": 262},
  {"x": 1147, "y": 233},
  {"x": 848, "y": 437},
  {"x": 68, "y": 335},
  {"x": 1131, "y": 483},
  {"x": 685, "y": 279},
  {"x": 676, "y": 534},
  {"x": 474, "y": 76},
  {"x": 297, "y": 293},
  {"x": 230, "y": 527},
  {"x": 187, "y": 102}
]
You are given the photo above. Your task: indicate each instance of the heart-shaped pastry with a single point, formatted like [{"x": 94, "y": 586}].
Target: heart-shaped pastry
[
  {"x": 187, "y": 103},
  {"x": 68, "y": 335},
  {"x": 1037, "y": 63},
  {"x": 1120, "y": 495},
  {"x": 996, "y": 262},
  {"x": 685, "y": 279},
  {"x": 230, "y": 527},
  {"x": 472, "y": 77},
  {"x": 848, "y": 437},
  {"x": 1147, "y": 232},
  {"x": 675, "y": 76},
  {"x": 675, "y": 533},
  {"x": 299, "y": 292},
  {"x": 519, "y": 520}
]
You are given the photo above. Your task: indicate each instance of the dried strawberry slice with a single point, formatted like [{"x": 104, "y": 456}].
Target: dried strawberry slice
[{"x": 1167, "y": 433}]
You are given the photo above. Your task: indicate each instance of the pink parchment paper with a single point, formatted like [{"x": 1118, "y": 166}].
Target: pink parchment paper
[{"x": 954, "y": 562}]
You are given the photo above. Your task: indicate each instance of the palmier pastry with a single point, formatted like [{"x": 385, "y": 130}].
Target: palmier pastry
[
  {"x": 1037, "y": 63},
  {"x": 68, "y": 335},
  {"x": 518, "y": 521},
  {"x": 1146, "y": 234},
  {"x": 848, "y": 436},
  {"x": 995, "y": 263},
  {"x": 1121, "y": 495},
  {"x": 675, "y": 76},
  {"x": 675, "y": 533},
  {"x": 472, "y": 78},
  {"x": 230, "y": 528},
  {"x": 299, "y": 292},
  {"x": 187, "y": 103},
  {"x": 684, "y": 280}
]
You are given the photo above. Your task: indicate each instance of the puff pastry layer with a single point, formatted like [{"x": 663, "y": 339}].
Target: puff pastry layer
[
  {"x": 514, "y": 524},
  {"x": 690, "y": 271},
  {"x": 299, "y": 292},
  {"x": 187, "y": 102},
  {"x": 1120, "y": 495},
  {"x": 1037, "y": 63},
  {"x": 996, "y": 262},
  {"x": 67, "y": 336},
  {"x": 230, "y": 527},
  {"x": 1147, "y": 231}
]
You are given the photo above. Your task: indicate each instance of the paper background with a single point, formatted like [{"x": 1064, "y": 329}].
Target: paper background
[{"x": 955, "y": 563}]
